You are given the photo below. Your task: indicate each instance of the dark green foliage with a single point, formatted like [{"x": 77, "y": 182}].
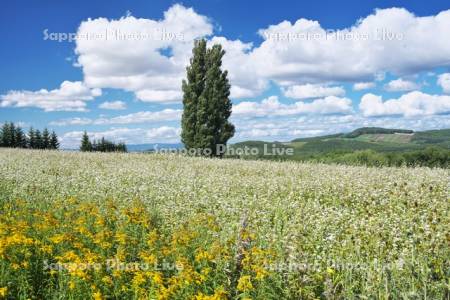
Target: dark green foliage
[
  {"x": 85, "y": 143},
  {"x": 12, "y": 136},
  {"x": 102, "y": 145},
  {"x": 121, "y": 147},
  {"x": 428, "y": 157},
  {"x": 434, "y": 137},
  {"x": 45, "y": 139},
  {"x": 31, "y": 138},
  {"x": 54, "y": 143},
  {"x": 8, "y": 135},
  {"x": 20, "y": 138},
  {"x": 206, "y": 102},
  {"x": 38, "y": 139},
  {"x": 192, "y": 89}
]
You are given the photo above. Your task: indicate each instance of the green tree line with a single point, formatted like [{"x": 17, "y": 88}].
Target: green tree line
[
  {"x": 429, "y": 157},
  {"x": 101, "y": 145},
  {"x": 13, "y": 136}
]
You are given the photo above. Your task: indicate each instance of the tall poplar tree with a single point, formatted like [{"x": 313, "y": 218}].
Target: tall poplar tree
[
  {"x": 206, "y": 102},
  {"x": 192, "y": 88}
]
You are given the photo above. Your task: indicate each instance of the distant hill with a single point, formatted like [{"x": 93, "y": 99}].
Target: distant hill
[
  {"x": 433, "y": 137},
  {"x": 375, "y": 130},
  {"x": 376, "y": 138},
  {"x": 390, "y": 144}
]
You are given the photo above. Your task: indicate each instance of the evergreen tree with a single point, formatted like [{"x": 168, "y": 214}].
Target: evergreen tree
[
  {"x": 38, "y": 139},
  {"x": 31, "y": 138},
  {"x": 3, "y": 135},
  {"x": 8, "y": 132},
  {"x": 54, "y": 143},
  {"x": 206, "y": 102},
  {"x": 20, "y": 138},
  {"x": 192, "y": 89},
  {"x": 121, "y": 147},
  {"x": 12, "y": 135},
  {"x": 102, "y": 145},
  {"x": 86, "y": 143},
  {"x": 45, "y": 139}
]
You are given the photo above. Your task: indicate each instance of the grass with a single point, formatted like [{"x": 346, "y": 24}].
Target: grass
[
  {"x": 386, "y": 138},
  {"x": 218, "y": 229}
]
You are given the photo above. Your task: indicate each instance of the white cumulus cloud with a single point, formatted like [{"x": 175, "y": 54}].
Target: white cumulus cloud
[
  {"x": 70, "y": 96},
  {"x": 389, "y": 40},
  {"x": 139, "y": 64},
  {"x": 271, "y": 106},
  {"x": 400, "y": 85},
  {"x": 359, "y": 86},
  {"x": 313, "y": 91},
  {"x": 408, "y": 105},
  {"x": 444, "y": 82},
  {"x": 164, "y": 115},
  {"x": 113, "y": 105},
  {"x": 407, "y": 44}
]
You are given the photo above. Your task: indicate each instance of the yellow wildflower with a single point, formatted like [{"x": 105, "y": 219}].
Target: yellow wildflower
[
  {"x": 219, "y": 294},
  {"x": 47, "y": 249},
  {"x": 3, "y": 291},
  {"x": 203, "y": 255},
  {"x": 260, "y": 272},
  {"x": 121, "y": 238},
  {"x": 148, "y": 258},
  {"x": 138, "y": 279},
  {"x": 97, "y": 296},
  {"x": 58, "y": 238},
  {"x": 152, "y": 238},
  {"x": 245, "y": 284},
  {"x": 107, "y": 280},
  {"x": 157, "y": 278}
]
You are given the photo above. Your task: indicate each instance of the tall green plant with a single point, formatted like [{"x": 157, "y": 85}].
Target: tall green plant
[{"x": 206, "y": 102}]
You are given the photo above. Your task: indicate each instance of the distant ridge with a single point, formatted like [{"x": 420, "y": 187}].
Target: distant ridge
[
  {"x": 367, "y": 145},
  {"x": 153, "y": 146},
  {"x": 375, "y": 130}
]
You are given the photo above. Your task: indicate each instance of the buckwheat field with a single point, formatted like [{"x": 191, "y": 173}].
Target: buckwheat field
[{"x": 149, "y": 226}]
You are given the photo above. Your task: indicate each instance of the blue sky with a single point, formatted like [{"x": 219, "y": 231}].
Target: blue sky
[{"x": 293, "y": 70}]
